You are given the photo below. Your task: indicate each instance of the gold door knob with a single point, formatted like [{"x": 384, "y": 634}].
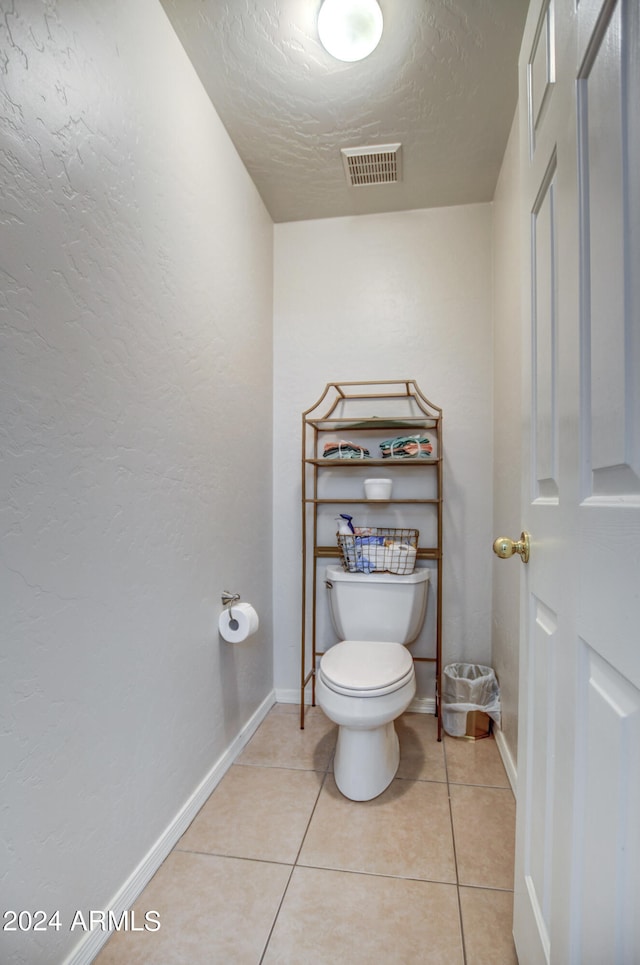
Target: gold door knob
[{"x": 505, "y": 547}]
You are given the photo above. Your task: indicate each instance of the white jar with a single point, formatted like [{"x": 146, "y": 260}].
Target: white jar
[{"x": 378, "y": 488}]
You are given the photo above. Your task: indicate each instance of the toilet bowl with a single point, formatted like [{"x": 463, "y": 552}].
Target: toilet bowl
[
  {"x": 367, "y": 679},
  {"x": 363, "y": 686}
]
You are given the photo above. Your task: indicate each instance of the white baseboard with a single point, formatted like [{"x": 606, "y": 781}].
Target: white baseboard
[
  {"x": 292, "y": 696},
  {"x": 422, "y": 705},
  {"x": 88, "y": 948},
  {"x": 419, "y": 705},
  {"x": 507, "y": 760}
]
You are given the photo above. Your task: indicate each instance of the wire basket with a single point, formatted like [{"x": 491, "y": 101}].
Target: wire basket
[{"x": 379, "y": 549}]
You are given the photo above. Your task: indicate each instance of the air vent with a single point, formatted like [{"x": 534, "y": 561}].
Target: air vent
[{"x": 379, "y": 164}]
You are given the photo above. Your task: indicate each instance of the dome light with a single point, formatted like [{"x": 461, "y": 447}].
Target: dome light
[{"x": 350, "y": 29}]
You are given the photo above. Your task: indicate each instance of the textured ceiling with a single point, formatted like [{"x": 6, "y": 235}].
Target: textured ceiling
[{"x": 443, "y": 82}]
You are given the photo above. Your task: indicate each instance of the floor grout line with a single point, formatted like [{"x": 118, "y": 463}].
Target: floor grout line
[
  {"x": 277, "y": 915},
  {"x": 295, "y": 863},
  {"x": 379, "y": 874},
  {"x": 455, "y": 855}
]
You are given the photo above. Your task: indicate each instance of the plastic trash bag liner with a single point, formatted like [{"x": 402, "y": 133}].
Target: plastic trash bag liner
[{"x": 467, "y": 687}]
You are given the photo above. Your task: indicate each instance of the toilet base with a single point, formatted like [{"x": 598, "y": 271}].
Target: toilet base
[{"x": 366, "y": 761}]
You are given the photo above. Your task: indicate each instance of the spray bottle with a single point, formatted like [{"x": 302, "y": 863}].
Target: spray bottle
[{"x": 345, "y": 526}]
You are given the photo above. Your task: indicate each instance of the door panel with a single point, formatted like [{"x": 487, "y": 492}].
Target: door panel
[
  {"x": 544, "y": 348},
  {"x": 543, "y": 676},
  {"x": 609, "y": 329},
  {"x": 541, "y": 71},
  {"x": 606, "y": 922}
]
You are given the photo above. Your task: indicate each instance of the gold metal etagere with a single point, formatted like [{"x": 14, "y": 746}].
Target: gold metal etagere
[{"x": 366, "y": 410}]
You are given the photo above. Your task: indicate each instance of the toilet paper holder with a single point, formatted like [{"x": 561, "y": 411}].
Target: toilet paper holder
[{"x": 228, "y": 599}]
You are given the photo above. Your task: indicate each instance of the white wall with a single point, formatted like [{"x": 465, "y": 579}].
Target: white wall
[
  {"x": 507, "y": 433},
  {"x": 391, "y": 296},
  {"x": 136, "y": 373}
]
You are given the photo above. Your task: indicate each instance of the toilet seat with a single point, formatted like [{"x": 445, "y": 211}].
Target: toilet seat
[{"x": 361, "y": 668}]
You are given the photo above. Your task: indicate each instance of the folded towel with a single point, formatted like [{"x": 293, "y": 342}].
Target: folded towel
[
  {"x": 345, "y": 450},
  {"x": 406, "y": 447}
]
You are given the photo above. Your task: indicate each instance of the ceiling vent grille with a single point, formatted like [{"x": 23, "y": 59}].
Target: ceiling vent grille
[{"x": 379, "y": 164}]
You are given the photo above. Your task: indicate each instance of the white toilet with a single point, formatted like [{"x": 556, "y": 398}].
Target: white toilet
[{"x": 367, "y": 680}]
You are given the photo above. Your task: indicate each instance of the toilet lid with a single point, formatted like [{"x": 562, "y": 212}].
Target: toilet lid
[{"x": 360, "y": 667}]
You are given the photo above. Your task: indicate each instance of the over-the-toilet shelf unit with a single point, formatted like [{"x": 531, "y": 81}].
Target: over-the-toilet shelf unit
[{"x": 367, "y": 413}]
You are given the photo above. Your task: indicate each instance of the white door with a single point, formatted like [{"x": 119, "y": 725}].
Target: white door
[{"x": 577, "y": 889}]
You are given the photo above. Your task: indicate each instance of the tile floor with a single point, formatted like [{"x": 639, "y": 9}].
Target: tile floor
[{"x": 278, "y": 867}]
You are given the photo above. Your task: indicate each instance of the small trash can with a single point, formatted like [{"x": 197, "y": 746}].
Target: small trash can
[{"x": 470, "y": 700}]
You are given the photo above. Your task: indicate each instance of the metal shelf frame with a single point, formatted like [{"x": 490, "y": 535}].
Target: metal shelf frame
[{"x": 392, "y": 406}]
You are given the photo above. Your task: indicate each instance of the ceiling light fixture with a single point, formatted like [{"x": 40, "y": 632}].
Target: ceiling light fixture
[{"x": 350, "y": 29}]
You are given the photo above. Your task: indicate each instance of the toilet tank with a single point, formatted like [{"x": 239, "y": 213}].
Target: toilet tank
[{"x": 377, "y": 606}]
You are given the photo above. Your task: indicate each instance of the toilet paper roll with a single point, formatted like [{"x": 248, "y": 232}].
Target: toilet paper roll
[
  {"x": 238, "y": 622},
  {"x": 400, "y": 558}
]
